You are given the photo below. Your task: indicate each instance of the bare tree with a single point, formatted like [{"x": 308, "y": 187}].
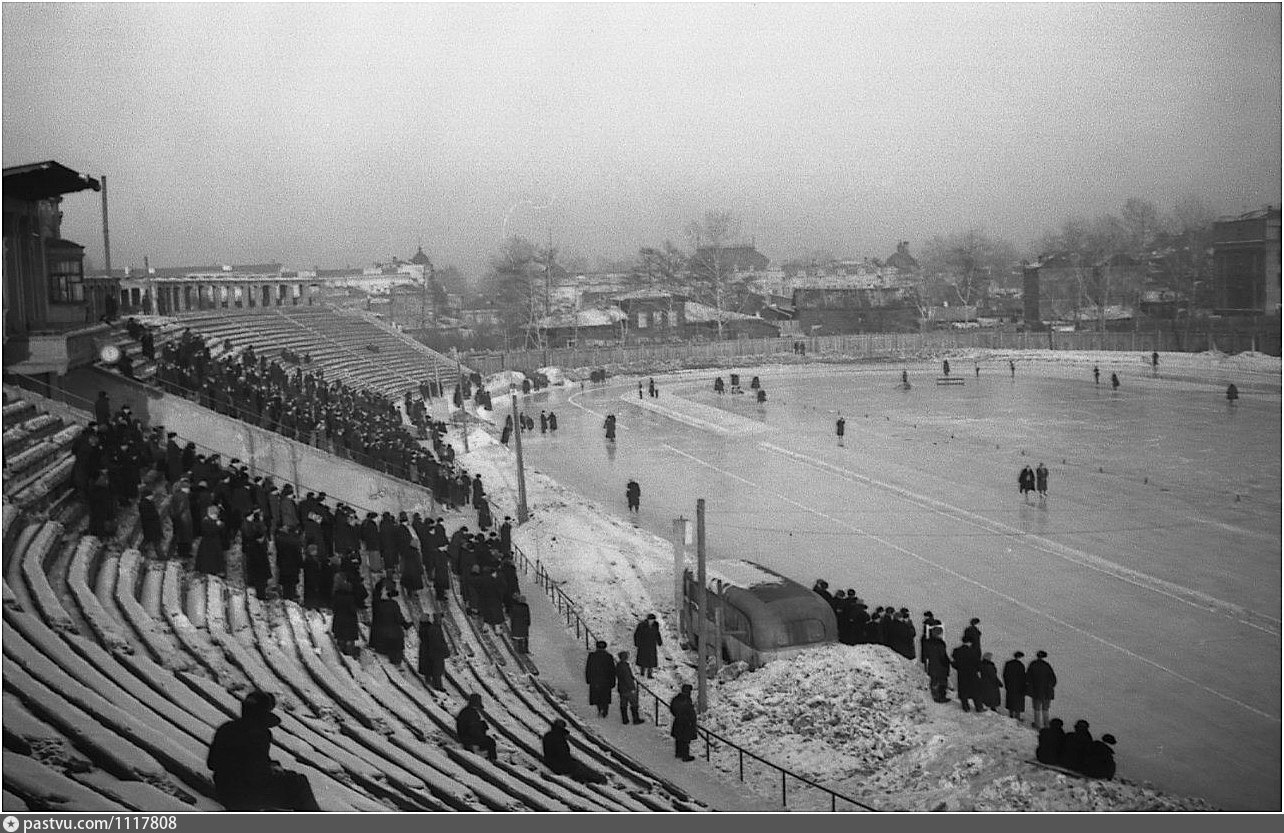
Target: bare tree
[
  {"x": 712, "y": 274},
  {"x": 968, "y": 262},
  {"x": 517, "y": 284}
]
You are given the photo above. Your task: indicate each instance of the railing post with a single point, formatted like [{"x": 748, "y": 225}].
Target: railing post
[
  {"x": 784, "y": 797},
  {"x": 742, "y": 762}
]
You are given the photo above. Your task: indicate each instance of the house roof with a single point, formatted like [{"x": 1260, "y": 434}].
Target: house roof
[
  {"x": 700, "y": 313},
  {"x": 420, "y": 258},
  {"x": 644, "y": 294},
  {"x": 740, "y": 257},
  {"x": 42, "y": 180},
  {"x": 595, "y": 317}
]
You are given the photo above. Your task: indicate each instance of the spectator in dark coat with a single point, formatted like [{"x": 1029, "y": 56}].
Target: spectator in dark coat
[
  {"x": 245, "y": 776},
  {"x": 974, "y": 632},
  {"x": 646, "y": 639},
  {"x": 289, "y": 561},
  {"x": 472, "y": 728},
  {"x": 345, "y": 626},
  {"x": 1052, "y": 741},
  {"x": 209, "y": 554},
  {"x": 599, "y": 673},
  {"x": 370, "y": 543},
  {"x": 433, "y": 652},
  {"x": 1014, "y": 684},
  {"x": 558, "y": 758},
  {"x": 180, "y": 516},
  {"x": 966, "y": 660},
  {"x": 387, "y": 626},
  {"x": 519, "y": 623},
  {"x": 258, "y": 570},
  {"x": 685, "y": 726},
  {"x": 440, "y": 574},
  {"x": 990, "y": 684},
  {"x": 508, "y": 572},
  {"x": 936, "y": 658},
  {"x": 626, "y": 685},
  {"x": 1040, "y": 685},
  {"x": 150, "y": 522},
  {"x": 173, "y": 459},
  {"x": 1076, "y": 747},
  {"x": 1099, "y": 761},
  {"x": 102, "y": 408},
  {"x": 490, "y": 599}
]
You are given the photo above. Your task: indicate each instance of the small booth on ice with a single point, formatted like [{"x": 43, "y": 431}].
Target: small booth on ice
[{"x": 762, "y": 615}]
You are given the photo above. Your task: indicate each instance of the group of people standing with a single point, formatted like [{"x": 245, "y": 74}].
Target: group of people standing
[{"x": 1030, "y": 480}]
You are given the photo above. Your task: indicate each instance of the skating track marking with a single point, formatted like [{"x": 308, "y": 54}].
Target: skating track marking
[
  {"x": 999, "y": 593},
  {"x": 1185, "y": 595}
]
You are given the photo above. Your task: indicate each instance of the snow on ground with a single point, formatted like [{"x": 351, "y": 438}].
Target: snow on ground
[{"x": 857, "y": 718}]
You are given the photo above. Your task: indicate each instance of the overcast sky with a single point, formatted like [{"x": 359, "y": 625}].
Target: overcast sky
[{"x": 343, "y": 134}]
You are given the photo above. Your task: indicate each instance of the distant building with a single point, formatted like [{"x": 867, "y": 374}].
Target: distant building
[
  {"x": 902, "y": 260},
  {"x": 843, "y": 311},
  {"x": 737, "y": 258},
  {"x": 1064, "y": 287},
  {"x": 1246, "y": 263},
  {"x": 51, "y": 310}
]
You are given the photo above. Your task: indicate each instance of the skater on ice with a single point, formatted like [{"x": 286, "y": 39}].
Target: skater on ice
[
  {"x": 841, "y": 427},
  {"x": 609, "y": 425},
  {"x": 1025, "y": 481},
  {"x": 1041, "y": 481},
  {"x": 633, "y": 494},
  {"x": 1096, "y": 375}
]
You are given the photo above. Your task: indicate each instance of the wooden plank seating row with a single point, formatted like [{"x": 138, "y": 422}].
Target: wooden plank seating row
[
  {"x": 21, "y": 464},
  {"x": 154, "y": 638},
  {"x": 104, "y": 627},
  {"x": 18, "y": 437},
  {"x": 47, "y": 790}
]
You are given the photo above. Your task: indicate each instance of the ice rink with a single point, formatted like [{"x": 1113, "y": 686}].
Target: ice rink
[{"x": 1151, "y": 574}]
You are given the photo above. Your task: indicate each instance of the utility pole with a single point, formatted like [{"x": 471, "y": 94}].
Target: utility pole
[
  {"x": 702, "y": 629},
  {"x": 679, "y": 572},
  {"x": 459, "y": 386},
  {"x": 522, "y": 513},
  {"x": 106, "y": 236}
]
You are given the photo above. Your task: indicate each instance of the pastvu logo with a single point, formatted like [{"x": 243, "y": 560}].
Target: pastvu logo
[{"x": 10, "y": 824}]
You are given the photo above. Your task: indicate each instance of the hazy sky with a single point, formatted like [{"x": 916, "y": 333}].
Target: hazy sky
[{"x": 343, "y": 134}]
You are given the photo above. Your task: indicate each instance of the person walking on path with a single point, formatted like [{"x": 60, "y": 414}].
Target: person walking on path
[
  {"x": 1041, "y": 481},
  {"x": 519, "y": 623},
  {"x": 599, "y": 673},
  {"x": 626, "y": 685},
  {"x": 684, "y": 729},
  {"x": 633, "y": 494},
  {"x": 1040, "y": 685},
  {"x": 646, "y": 640},
  {"x": 1014, "y": 685}
]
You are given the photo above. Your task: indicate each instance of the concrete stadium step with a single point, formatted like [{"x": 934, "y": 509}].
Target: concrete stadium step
[
  {"x": 23, "y": 434},
  {"x": 46, "y": 790},
  {"x": 154, "y": 637},
  {"x": 106, "y": 628}
]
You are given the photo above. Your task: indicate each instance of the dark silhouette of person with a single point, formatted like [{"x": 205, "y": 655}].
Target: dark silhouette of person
[
  {"x": 1041, "y": 480},
  {"x": 966, "y": 660},
  {"x": 245, "y": 776},
  {"x": 646, "y": 639},
  {"x": 1232, "y": 393},
  {"x": 1096, "y": 375},
  {"x": 633, "y": 494},
  {"x": 599, "y": 674},
  {"x": 626, "y": 685},
  {"x": 945, "y": 366},
  {"x": 1014, "y": 685},
  {"x": 609, "y": 424},
  {"x": 472, "y": 728},
  {"x": 1040, "y": 685},
  {"x": 841, "y": 428},
  {"x": 1076, "y": 747},
  {"x": 937, "y": 660},
  {"x": 558, "y": 758},
  {"x": 1099, "y": 760},
  {"x": 685, "y": 725},
  {"x": 433, "y": 652},
  {"x": 519, "y": 623},
  {"x": 1114, "y": 381},
  {"x": 1052, "y": 741}
]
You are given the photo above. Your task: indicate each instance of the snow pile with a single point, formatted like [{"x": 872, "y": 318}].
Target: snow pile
[
  {"x": 832, "y": 713},
  {"x": 860, "y": 720},
  {"x": 554, "y": 375},
  {"x": 497, "y": 384}
]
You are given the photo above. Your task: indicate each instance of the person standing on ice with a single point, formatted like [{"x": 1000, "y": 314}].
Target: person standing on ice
[
  {"x": 945, "y": 366},
  {"x": 977, "y": 365},
  {"x": 904, "y": 378},
  {"x": 552, "y": 422},
  {"x": 1114, "y": 381},
  {"x": 1154, "y": 363},
  {"x": 609, "y": 425},
  {"x": 841, "y": 427},
  {"x": 1096, "y": 375},
  {"x": 1041, "y": 481},
  {"x": 633, "y": 494},
  {"x": 1232, "y": 393},
  {"x": 1025, "y": 482},
  {"x": 1040, "y": 685},
  {"x": 1012, "y": 368},
  {"x": 543, "y": 422},
  {"x": 639, "y": 388}
]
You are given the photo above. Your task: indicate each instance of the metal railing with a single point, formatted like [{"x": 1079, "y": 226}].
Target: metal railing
[{"x": 570, "y": 611}]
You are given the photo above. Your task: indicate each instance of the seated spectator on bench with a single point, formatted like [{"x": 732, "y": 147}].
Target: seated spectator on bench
[
  {"x": 472, "y": 728},
  {"x": 245, "y": 777},
  {"x": 557, "y": 755}
]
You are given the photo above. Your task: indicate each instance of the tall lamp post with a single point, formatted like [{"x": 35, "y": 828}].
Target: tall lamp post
[
  {"x": 459, "y": 386},
  {"x": 522, "y": 514}
]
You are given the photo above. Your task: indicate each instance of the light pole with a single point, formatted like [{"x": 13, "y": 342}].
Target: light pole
[
  {"x": 522, "y": 513},
  {"x": 459, "y": 386}
]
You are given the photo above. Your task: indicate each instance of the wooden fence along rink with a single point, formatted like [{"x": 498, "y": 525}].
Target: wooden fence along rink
[{"x": 873, "y": 345}]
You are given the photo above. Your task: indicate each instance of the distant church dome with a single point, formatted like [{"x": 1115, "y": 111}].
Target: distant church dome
[{"x": 420, "y": 258}]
